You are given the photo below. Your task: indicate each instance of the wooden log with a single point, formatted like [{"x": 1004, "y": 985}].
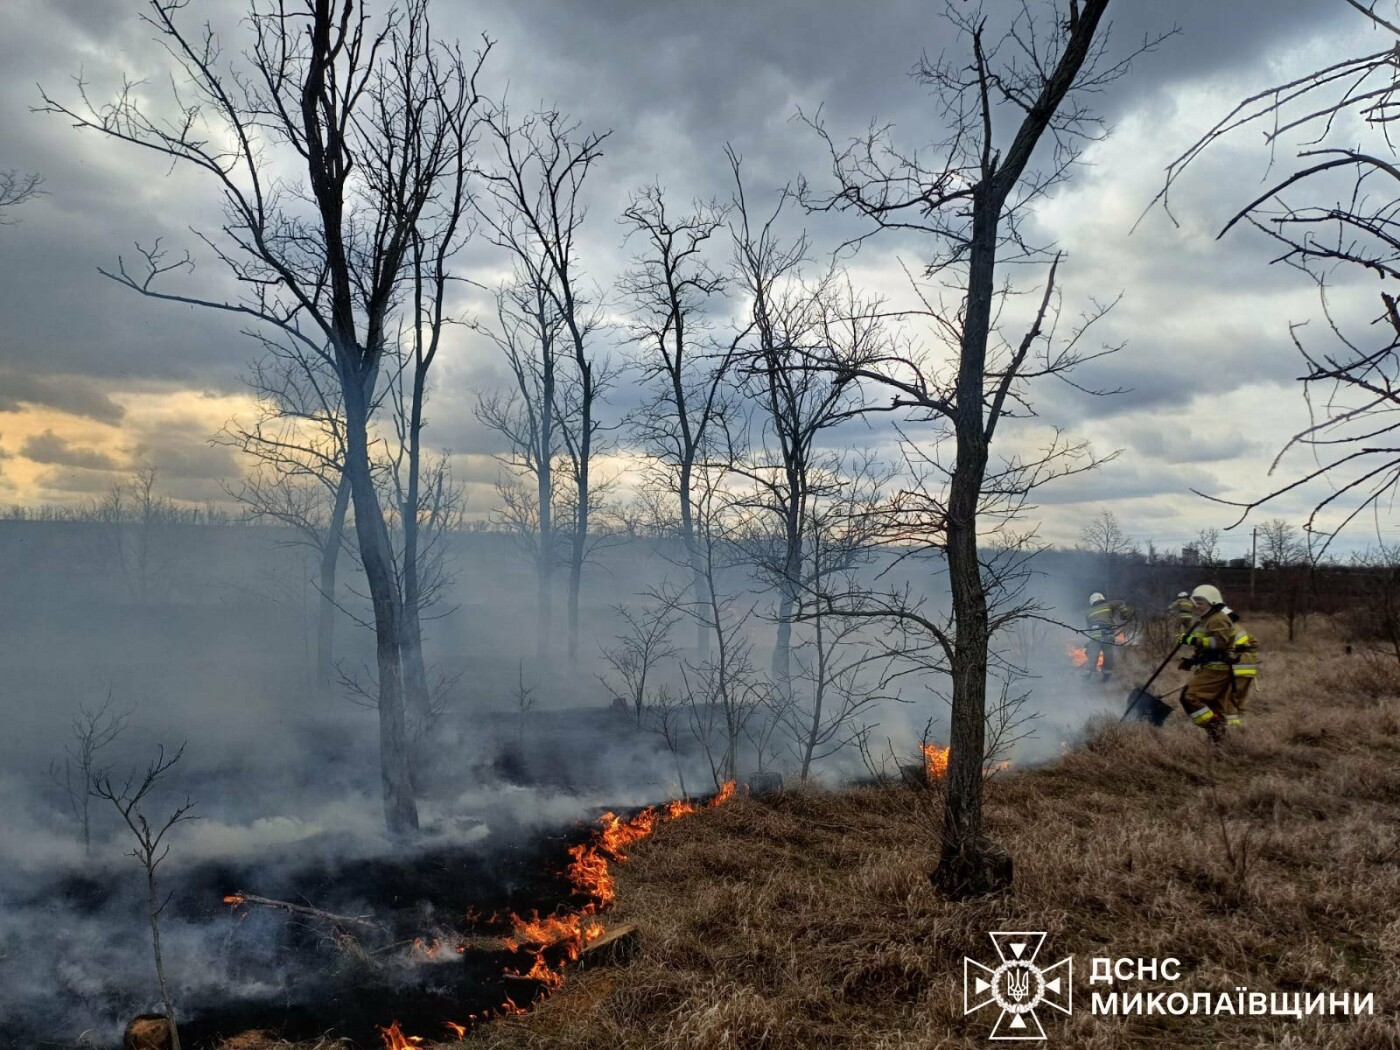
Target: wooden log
[{"x": 616, "y": 947}]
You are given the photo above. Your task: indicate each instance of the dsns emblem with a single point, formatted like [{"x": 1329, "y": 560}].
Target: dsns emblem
[{"x": 1018, "y": 986}]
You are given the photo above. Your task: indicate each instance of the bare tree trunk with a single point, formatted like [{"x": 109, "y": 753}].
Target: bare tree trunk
[
  {"x": 400, "y": 810},
  {"x": 698, "y": 580},
  {"x": 576, "y": 559},
  {"x": 330, "y": 558},
  {"x": 588, "y": 393},
  {"x": 153, "y": 911},
  {"x": 544, "y": 476},
  {"x": 963, "y": 869},
  {"x": 417, "y": 704},
  {"x": 787, "y": 587},
  {"x": 819, "y": 695}
]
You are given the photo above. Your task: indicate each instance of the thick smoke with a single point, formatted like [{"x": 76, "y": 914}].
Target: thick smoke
[{"x": 284, "y": 776}]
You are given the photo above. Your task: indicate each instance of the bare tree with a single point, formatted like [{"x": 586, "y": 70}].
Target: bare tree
[
  {"x": 723, "y": 691},
  {"x": 15, "y": 189},
  {"x": 374, "y": 116},
  {"x": 1280, "y": 545},
  {"x": 524, "y": 698},
  {"x": 644, "y": 643},
  {"x": 968, "y": 202},
  {"x": 1208, "y": 546},
  {"x": 151, "y": 850},
  {"x": 527, "y": 331},
  {"x": 793, "y": 321},
  {"x": 666, "y": 717},
  {"x": 537, "y": 185},
  {"x": 297, "y": 442},
  {"x": 1351, "y": 381},
  {"x": 670, "y": 287},
  {"x": 140, "y": 516},
  {"x": 1374, "y": 619},
  {"x": 1103, "y": 535},
  {"x": 1291, "y": 559},
  {"x": 93, "y": 729},
  {"x": 443, "y": 229},
  {"x": 839, "y": 667}
]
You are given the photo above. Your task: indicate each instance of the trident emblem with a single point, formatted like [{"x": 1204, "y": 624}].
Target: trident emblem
[{"x": 1018, "y": 986}]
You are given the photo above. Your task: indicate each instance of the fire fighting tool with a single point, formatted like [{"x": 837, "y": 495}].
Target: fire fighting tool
[{"x": 1157, "y": 711}]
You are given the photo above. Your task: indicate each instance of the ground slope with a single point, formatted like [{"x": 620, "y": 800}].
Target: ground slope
[{"x": 807, "y": 921}]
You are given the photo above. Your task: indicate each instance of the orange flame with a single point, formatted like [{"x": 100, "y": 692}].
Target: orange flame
[
  {"x": 427, "y": 949},
  {"x": 234, "y": 899},
  {"x": 681, "y": 807},
  {"x": 394, "y": 1039},
  {"x": 935, "y": 760},
  {"x": 541, "y": 971},
  {"x": 573, "y": 930},
  {"x": 589, "y": 872},
  {"x": 617, "y": 834},
  {"x": 1080, "y": 656},
  {"x": 459, "y": 1030}
]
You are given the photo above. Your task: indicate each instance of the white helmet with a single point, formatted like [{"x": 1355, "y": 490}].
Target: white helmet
[
  {"x": 1095, "y": 597},
  {"x": 1183, "y": 594},
  {"x": 1208, "y": 594}
]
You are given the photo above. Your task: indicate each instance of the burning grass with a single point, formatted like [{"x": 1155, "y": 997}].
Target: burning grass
[{"x": 807, "y": 920}]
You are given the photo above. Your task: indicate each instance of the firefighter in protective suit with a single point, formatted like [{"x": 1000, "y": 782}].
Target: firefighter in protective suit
[
  {"x": 1103, "y": 620},
  {"x": 1183, "y": 611},
  {"x": 1223, "y": 663}
]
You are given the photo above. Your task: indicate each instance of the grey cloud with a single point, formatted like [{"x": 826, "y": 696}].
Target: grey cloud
[
  {"x": 1180, "y": 439},
  {"x": 75, "y": 480},
  {"x": 182, "y": 456},
  {"x": 676, "y": 82},
  {"x": 77, "y": 395},
  {"x": 48, "y": 447}
]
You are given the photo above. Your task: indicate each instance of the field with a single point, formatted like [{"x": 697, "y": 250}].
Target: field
[{"x": 806, "y": 921}]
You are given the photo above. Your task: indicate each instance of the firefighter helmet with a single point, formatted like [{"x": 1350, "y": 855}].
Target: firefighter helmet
[
  {"x": 1095, "y": 597},
  {"x": 1184, "y": 594},
  {"x": 1208, "y": 594}
]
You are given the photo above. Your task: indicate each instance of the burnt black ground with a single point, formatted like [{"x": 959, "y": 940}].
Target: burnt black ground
[{"x": 441, "y": 892}]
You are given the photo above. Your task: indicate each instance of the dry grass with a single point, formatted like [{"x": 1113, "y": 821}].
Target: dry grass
[{"x": 808, "y": 921}]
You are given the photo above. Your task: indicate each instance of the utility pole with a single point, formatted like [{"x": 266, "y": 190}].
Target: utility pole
[{"x": 1253, "y": 560}]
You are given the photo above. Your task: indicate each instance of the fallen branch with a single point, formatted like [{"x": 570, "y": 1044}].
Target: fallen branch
[{"x": 239, "y": 899}]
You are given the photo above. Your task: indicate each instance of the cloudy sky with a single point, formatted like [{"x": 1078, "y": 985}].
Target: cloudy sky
[{"x": 95, "y": 380}]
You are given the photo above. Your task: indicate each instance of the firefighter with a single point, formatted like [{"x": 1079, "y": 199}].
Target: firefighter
[
  {"x": 1183, "y": 611},
  {"x": 1223, "y": 666},
  {"x": 1104, "y": 618}
]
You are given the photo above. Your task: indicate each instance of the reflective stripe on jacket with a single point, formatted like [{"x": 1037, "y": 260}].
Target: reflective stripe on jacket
[
  {"x": 1217, "y": 636},
  {"x": 1106, "y": 614}
]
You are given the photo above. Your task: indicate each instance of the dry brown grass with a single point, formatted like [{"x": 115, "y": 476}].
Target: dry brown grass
[{"x": 808, "y": 921}]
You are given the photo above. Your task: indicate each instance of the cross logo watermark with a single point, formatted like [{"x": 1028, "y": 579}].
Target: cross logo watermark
[{"x": 1018, "y": 986}]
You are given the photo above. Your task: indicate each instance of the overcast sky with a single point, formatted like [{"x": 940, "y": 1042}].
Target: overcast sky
[{"x": 95, "y": 380}]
